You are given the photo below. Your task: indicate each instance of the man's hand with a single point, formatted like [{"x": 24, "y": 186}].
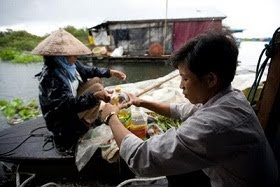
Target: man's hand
[
  {"x": 118, "y": 74},
  {"x": 102, "y": 95},
  {"x": 133, "y": 100},
  {"x": 107, "y": 109}
]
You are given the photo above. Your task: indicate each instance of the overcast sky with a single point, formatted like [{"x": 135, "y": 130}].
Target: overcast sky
[{"x": 259, "y": 18}]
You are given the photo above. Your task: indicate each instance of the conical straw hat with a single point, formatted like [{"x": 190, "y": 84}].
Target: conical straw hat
[{"x": 61, "y": 43}]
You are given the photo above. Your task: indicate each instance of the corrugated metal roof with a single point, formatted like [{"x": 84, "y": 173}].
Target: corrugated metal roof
[{"x": 186, "y": 15}]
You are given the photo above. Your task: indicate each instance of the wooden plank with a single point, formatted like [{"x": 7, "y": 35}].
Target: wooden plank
[
  {"x": 126, "y": 59},
  {"x": 271, "y": 87}
]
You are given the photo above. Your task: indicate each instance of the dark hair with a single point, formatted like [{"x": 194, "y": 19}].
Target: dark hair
[
  {"x": 214, "y": 52},
  {"x": 50, "y": 61}
]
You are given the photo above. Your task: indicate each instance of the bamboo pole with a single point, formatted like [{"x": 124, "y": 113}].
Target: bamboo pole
[
  {"x": 165, "y": 27},
  {"x": 157, "y": 84}
]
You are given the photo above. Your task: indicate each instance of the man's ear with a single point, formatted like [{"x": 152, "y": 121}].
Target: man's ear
[{"x": 212, "y": 79}]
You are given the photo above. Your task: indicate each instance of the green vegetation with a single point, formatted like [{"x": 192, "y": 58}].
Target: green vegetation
[
  {"x": 164, "y": 122},
  {"x": 8, "y": 53},
  {"x": 15, "y": 46},
  {"x": 27, "y": 58},
  {"x": 80, "y": 34},
  {"x": 16, "y": 111},
  {"x": 18, "y": 40}
]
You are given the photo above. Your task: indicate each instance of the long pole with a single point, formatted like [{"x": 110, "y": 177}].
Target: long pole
[
  {"x": 165, "y": 27},
  {"x": 155, "y": 85}
]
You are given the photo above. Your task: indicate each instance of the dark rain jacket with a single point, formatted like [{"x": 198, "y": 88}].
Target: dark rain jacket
[{"x": 59, "y": 107}]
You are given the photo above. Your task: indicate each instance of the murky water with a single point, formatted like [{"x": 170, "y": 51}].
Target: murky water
[{"x": 17, "y": 80}]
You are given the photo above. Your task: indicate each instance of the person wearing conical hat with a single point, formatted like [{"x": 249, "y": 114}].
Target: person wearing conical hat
[{"x": 70, "y": 92}]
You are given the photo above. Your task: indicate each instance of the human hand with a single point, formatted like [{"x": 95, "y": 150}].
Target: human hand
[
  {"x": 107, "y": 109},
  {"x": 102, "y": 95},
  {"x": 118, "y": 74},
  {"x": 133, "y": 100}
]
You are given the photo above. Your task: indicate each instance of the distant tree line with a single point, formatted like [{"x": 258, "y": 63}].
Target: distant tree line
[{"x": 15, "y": 46}]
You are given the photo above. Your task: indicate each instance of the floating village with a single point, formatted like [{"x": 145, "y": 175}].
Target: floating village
[{"x": 29, "y": 156}]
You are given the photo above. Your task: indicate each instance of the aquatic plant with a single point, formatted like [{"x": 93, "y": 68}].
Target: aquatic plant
[
  {"x": 16, "y": 111},
  {"x": 11, "y": 54},
  {"x": 8, "y": 53},
  {"x": 27, "y": 58}
]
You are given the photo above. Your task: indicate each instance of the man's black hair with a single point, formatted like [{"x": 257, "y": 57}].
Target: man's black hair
[{"x": 215, "y": 51}]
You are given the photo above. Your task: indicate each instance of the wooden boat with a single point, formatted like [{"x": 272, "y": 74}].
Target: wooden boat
[
  {"x": 29, "y": 146},
  {"x": 26, "y": 145},
  {"x": 27, "y": 142}
]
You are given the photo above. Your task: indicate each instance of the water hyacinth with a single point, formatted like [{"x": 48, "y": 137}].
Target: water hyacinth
[
  {"x": 16, "y": 111},
  {"x": 27, "y": 58}
]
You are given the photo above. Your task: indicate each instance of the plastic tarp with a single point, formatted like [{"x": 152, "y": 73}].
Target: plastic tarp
[
  {"x": 183, "y": 31},
  {"x": 101, "y": 38},
  {"x": 168, "y": 91}
]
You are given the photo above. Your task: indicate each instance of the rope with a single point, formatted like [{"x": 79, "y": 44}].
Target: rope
[
  {"x": 6, "y": 166},
  {"x": 47, "y": 139},
  {"x": 31, "y": 134},
  {"x": 26, "y": 180},
  {"x": 140, "y": 180},
  {"x": 269, "y": 52},
  {"x": 51, "y": 184}
]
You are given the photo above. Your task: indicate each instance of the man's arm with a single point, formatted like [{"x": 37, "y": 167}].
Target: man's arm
[
  {"x": 160, "y": 108},
  {"x": 109, "y": 116},
  {"x": 118, "y": 129}
]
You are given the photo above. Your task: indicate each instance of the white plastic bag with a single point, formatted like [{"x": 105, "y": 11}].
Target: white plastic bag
[
  {"x": 98, "y": 137},
  {"x": 118, "y": 52}
]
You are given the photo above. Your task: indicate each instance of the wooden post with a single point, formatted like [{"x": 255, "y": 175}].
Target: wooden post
[
  {"x": 165, "y": 27},
  {"x": 271, "y": 87}
]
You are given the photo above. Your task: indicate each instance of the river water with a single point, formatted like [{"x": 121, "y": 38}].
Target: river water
[{"x": 18, "y": 81}]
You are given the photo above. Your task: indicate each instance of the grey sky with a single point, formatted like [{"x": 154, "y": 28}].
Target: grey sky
[{"x": 259, "y": 17}]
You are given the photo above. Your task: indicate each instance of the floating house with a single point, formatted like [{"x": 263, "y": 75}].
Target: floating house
[{"x": 155, "y": 37}]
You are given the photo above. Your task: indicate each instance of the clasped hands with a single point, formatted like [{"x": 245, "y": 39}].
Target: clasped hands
[
  {"x": 106, "y": 95},
  {"x": 108, "y": 107}
]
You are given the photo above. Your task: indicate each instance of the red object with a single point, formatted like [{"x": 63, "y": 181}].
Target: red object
[{"x": 156, "y": 49}]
